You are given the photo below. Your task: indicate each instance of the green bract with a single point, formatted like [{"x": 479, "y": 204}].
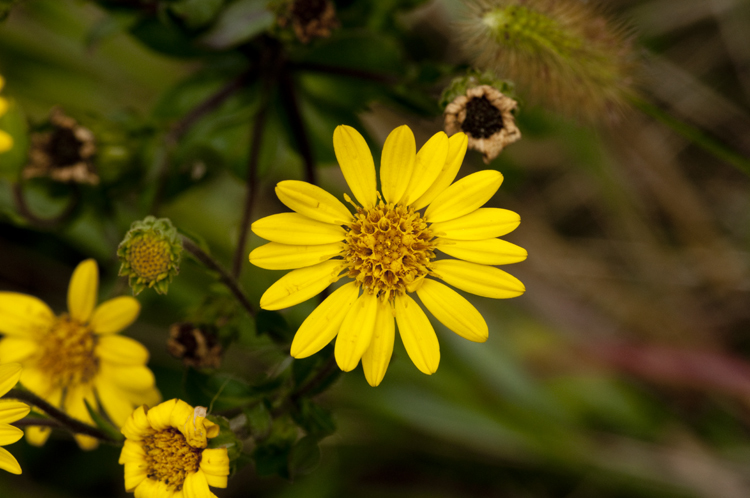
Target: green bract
[{"x": 150, "y": 254}]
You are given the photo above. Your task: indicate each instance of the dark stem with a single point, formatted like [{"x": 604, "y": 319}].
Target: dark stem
[
  {"x": 62, "y": 419},
  {"x": 178, "y": 130},
  {"x": 345, "y": 71},
  {"x": 291, "y": 106},
  {"x": 325, "y": 370},
  {"x": 47, "y": 223},
  {"x": 224, "y": 276}
]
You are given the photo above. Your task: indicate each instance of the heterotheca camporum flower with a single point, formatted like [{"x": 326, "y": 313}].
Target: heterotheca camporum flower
[
  {"x": 10, "y": 411},
  {"x": 388, "y": 248},
  {"x": 165, "y": 452},
  {"x": 79, "y": 355},
  {"x": 150, "y": 254},
  {"x": 6, "y": 141}
]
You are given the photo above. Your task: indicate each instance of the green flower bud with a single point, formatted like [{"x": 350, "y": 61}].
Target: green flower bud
[{"x": 150, "y": 254}]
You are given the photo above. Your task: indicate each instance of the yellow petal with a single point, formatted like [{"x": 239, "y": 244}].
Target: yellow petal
[
  {"x": 37, "y": 382},
  {"x": 114, "y": 401},
  {"x": 121, "y": 350},
  {"x": 453, "y": 310},
  {"x": 417, "y": 334},
  {"x": 10, "y": 411},
  {"x": 9, "y": 434},
  {"x": 83, "y": 289},
  {"x": 3, "y": 106},
  {"x": 484, "y": 223},
  {"x": 6, "y": 142},
  {"x": 76, "y": 408},
  {"x": 128, "y": 377},
  {"x": 464, "y": 196},
  {"x": 376, "y": 359},
  {"x": 430, "y": 161},
  {"x": 196, "y": 486},
  {"x": 275, "y": 256},
  {"x": 138, "y": 425},
  {"x": 132, "y": 452},
  {"x": 148, "y": 488},
  {"x": 356, "y": 164},
  {"x": 8, "y": 462},
  {"x": 481, "y": 280},
  {"x": 16, "y": 349},
  {"x": 296, "y": 229},
  {"x": 485, "y": 252},
  {"x": 215, "y": 462},
  {"x": 160, "y": 416},
  {"x": 322, "y": 325},
  {"x": 456, "y": 151},
  {"x": 300, "y": 285},
  {"x": 36, "y": 436},
  {"x": 397, "y": 163},
  {"x": 312, "y": 201},
  {"x": 216, "y": 481},
  {"x": 115, "y": 315},
  {"x": 135, "y": 475},
  {"x": 356, "y": 332},
  {"x": 22, "y": 315},
  {"x": 9, "y": 375}
]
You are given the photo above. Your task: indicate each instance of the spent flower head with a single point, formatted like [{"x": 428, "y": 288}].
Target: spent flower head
[
  {"x": 165, "y": 452},
  {"x": 10, "y": 411},
  {"x": 77, "y": 357},
  {"x": 150, "y": 254},
  {"x": 388, "y": 249}
]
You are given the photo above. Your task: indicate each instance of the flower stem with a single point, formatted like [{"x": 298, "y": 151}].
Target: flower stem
[
  {"x": 47, "y": 223},
  {"x": 58, "y": 418},
  {"x": 291, "y": 106},
  {"x": 210, "y": 263}
]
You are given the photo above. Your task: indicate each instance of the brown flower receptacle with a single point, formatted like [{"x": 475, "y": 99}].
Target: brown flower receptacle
[
  {"x": 486, "y": 116},
  {"x": 310, "y": 19}
]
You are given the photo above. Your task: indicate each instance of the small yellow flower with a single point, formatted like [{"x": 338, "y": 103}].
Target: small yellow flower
[
  {"x": 6, "y": 141},
  {"x": 10, "y": 411},
  {"x": 78, "y": 355},
  {"x": 165, "y": 454},
  {"x": 388, "y": 247}
]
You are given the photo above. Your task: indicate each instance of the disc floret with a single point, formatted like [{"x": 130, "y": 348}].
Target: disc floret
[{"x": 150, "y": 254}]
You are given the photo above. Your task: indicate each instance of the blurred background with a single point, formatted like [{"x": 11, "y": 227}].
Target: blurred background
[{"x": 623, "y": 371}]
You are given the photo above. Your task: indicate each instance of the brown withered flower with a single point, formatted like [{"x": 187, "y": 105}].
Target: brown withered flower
[
  {"x": 486, "y": 116},
  {"x": 195, "y": 344},
  {"x": 310, "y": 19},
  {"x": 63, "y": 153}
]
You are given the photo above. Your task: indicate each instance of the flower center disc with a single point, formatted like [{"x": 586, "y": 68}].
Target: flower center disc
[
  {"x": 170, "y": 458},
  {"x": 149, "y": 257},
  {"x": 390, "y": 249},
  {"x": 68, "y": 353}
]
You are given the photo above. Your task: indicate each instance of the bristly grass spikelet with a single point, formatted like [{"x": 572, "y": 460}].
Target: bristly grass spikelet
[{"x": 564, "y": 54}]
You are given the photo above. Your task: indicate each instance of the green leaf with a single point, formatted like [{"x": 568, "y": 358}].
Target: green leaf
[
  {"x": 273, "y": 324},
  {"x": 272, "y": 454},
  {"x": 196, "y": 13},
  {"x": 238, "y": 23},
  {"x": 366, "y": 51},
  {"x": 223, "y": 391},
  {"x": 226, "y": 438},
  {"x": 304, "y": 457},
  {"x": 314, "y": 419},
  {"x": 166, "y": 38},
  {"x": 13, "y": 122},
  {"x": 103, "y": 423},
  {"x": 109, "y": 26},
  {"x": 259, "y": 420}
]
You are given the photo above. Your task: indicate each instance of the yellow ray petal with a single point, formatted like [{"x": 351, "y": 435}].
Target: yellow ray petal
[
  {"x": 127, "y": 377},
  {"x": 6, "y": 142},
  {"x": 430, "y": 161},
  {"x": 83, "y": 289},
  {"x": 356, "y": 164},
  {"x": 300, "y": 285},
  {"x": 148, "y": 488},
  {"x": 312, "y": 201},
  {"x": 464, "y": 196},
  {"x": 481, "y": 280},
  {"x": 132, "y": 452},
  {"x": 215, "y": 462},
  {"x": 135, "y": 474},
  {"x": 484, "y": 223},
  {"x": 115, "y": 315},
  {"x": 8, "y": 462},
  {"x": 296, "y": 229},
  {"x": 4, "y": 104},
  {"x": 160, "y": 416},
  {"x": 10, "y": 411},
  {"x": 36, "y": 436},
  {"x": 417, "y": 334},
  {"x": 9, "y": 434},
  {"x": 75, "y": 407},
  {"x": 9, "y": 375},
  {"x": 121, "y": 350},
  {"x": 275, "y": 256},
  {"x": 114, "y": 401},
  {"x": 356, "y": 332},
  {"x": 453, "y": 310},
  {"x": 376, "y": 359},
  {"x": 485, "y": 252},
  {"x": 138, "y": 425},
  {"x": 22, "y": 315},
  {"x": 456, "y": 151},
  {"x": 16, "y": 349},
  {"x": 397, "y": 163},
  {"x": 37, "y": 382},
  {"x": 322, "y": 325},
  {"x": 196, "y": 486}
]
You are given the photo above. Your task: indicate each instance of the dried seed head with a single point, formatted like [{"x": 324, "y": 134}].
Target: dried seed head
[
  {"x": 63, "y": 152},
  {"x": 309, "y": 18},
  {"x": 561, "y": 53},
  {"x": 486, "y": 116},
  {"x": 195, "y": 344}
]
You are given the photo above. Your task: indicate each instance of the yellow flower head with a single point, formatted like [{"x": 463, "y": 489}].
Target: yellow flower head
[
  {"x": 388, "y": 248},
  {"x": 165, "y": 454},
  {"x": 6, "y": 141},
  {"x": 77, "y": 356},
  {"x": 10, "y": 411}
]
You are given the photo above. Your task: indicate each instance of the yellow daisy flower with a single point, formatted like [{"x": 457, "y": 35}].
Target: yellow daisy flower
[
  {"x": 6, "y": 141},
  {"x": 165, "y": 454},
  {"x": 78, "y": 355},
  {"x": 388, "y": 247},
  {"x": 10, "y": 411}
]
